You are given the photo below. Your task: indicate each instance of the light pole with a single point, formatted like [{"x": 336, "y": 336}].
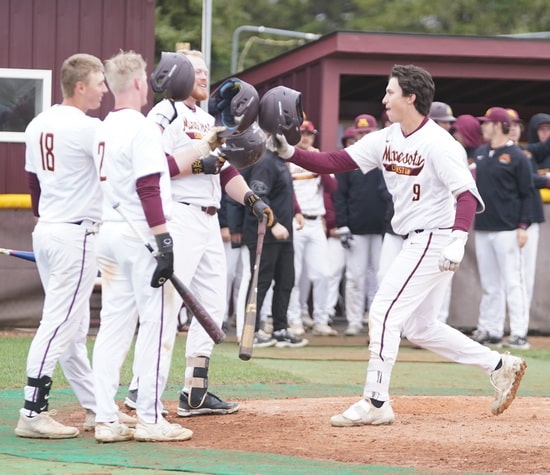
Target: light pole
[{"x": 263, "y": 29}]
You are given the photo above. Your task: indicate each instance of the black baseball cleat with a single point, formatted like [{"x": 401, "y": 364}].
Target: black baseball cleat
[{"x": 211, "y": 404}]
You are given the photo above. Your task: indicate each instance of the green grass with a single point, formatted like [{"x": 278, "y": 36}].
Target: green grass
[{"x": 314, "y": 370}]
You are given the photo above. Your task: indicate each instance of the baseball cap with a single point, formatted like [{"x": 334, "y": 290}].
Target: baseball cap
[
  {"x": 441, "y": 111},
  {"x": 307, "y": 126},
  {"x": 514, "y": 116},
  {"x": 349, "y": 133},
  {"x": 365, "y": 123},
  {"x": 496, "y": 114}
]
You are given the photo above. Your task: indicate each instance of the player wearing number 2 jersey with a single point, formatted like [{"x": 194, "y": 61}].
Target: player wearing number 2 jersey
[
  {"x": 66, "y": 203},
  {"x": 426, "y": 174}
]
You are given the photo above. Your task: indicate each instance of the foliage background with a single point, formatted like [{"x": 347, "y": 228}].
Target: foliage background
[{"x": 181, "y": 21}]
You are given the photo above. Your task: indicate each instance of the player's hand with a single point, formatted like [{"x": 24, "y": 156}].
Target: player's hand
[
  {"x": 165, "y": 260},
  {"x": 210, "y": 165},
  {"x": 210, "y": 141},
  {"x": 259, "y": 208},
  {"x": 453, "y": 253},
  {"x": 278, "y": 144},
  {"x": 522, "y": 237},
  {"x": 279, "y": 232}
]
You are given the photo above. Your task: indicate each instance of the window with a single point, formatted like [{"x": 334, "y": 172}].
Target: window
[{"x": 24, "y": 93}]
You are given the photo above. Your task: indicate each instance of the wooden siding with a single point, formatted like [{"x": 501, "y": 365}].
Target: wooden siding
[{"x": 40, "y": 34}]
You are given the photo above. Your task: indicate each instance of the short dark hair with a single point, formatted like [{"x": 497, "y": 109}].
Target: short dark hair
[{"x": 415, "y": 80}]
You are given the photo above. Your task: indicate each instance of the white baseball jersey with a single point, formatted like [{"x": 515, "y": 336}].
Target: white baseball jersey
[
  {"x": 64, "y": 166},
  {"x": 309, "y": 190},
  {"x": 424, "y": 172},
  {"x": 127, "y": 146},
  {"x": 190, "y": 124}
]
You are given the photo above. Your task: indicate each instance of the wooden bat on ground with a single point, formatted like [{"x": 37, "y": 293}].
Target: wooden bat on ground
[
  {"x": 247, "y": 336},
  {"x": 191, "y": 302},
  {"x": 26, "y": 255}
]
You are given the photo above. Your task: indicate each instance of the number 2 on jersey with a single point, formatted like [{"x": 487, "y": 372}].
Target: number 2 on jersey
[
  {"x": 101, "y": 153},
  {"x": 46, "y": 151}
]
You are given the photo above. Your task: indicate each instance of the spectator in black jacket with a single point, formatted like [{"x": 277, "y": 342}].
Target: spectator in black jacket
[{"x": 270, "y": 179}]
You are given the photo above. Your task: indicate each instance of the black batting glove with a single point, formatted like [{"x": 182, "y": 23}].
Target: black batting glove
[
  {"x": 210, "y": 165},
  {"x": 165, "y": 260},
  {"x": 259, "y": 208}
]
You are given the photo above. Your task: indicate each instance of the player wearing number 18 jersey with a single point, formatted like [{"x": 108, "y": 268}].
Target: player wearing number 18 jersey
[
  {"x": 426, "y": 174},
  {"x": 66, "y": 203}
]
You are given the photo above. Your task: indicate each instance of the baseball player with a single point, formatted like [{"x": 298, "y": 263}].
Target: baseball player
[
  {"x": 310, "y": 244},
  {"x": 134, "y": 177},
  {"x": 426, "y": 173},
  {"x": 201, "y": 263},
  {"x": 66, "y": 202}
]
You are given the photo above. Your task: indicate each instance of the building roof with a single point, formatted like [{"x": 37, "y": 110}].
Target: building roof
[{"x": 345, "y": 73}]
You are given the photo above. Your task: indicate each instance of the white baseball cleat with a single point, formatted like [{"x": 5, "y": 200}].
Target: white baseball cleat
[
  {"x": 89, "y": 423},
  {"x": 364, "y": 413},
  {"x": 506, "y": 382},
  {"x": 161, "y": 431},
  {"x": 43, "y": 426},
  {"x": 113, "y": 432}
]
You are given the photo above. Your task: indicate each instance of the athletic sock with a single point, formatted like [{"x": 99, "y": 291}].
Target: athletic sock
[{"x": 499, "y": 365}]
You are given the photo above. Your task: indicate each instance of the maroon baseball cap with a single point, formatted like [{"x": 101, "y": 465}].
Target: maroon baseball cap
[
  {"x": 365, "y": 123},
  {"x": 307, "y": 126},
  {"x": 514, "y": 116},
  {"x": 496, "y": 114}
]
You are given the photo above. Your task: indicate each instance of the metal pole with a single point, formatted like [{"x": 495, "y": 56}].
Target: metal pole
[
  {"x": 206, "y": 47},
  {"x": 263, "y": 29}
]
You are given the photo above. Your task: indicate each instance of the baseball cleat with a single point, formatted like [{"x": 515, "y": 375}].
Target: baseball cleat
[
  {"x": 106, "y": 432},
  {"x": 130, "y": 403},
  {"x": 364, "y": 413},
  {"x": 506, "y": 382},
  {"x": 89, "y": 423},
  {"x": 43, "y": 426},
  {"x": 211, "y": 404},
  {"x": 285, "y": 339},
  {"x": 322, "y": 329},
  {"x": 162, "y": 431}
]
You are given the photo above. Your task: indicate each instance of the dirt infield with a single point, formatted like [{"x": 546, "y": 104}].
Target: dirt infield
[{"x": 430, "y": 435}]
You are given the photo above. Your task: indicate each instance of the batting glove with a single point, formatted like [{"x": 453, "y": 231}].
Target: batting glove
[
  {"x": 210, "y": 165},
  {"x": 210, "y": 142},
  {"x": 278, "y": 144},
  {"x": 345, "y": 237},
  {"x": 165, "y": 260},
  {"x": 259, "y": 208},
  {"x": 452, "y": 254}
]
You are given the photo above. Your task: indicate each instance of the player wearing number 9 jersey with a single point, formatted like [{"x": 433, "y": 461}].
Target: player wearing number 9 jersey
[
  {"x": 66, "y": 201},
  {"x": 435, "y": 199}
]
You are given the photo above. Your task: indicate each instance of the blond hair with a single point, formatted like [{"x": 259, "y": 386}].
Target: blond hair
[
  {"x": 191, "y": 52},
  {"x": 77, "y": 68},
  {"x": 122, "y": 69}
]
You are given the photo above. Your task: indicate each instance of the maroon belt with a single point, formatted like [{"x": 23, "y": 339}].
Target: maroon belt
[{"x": 210, "y": 210}]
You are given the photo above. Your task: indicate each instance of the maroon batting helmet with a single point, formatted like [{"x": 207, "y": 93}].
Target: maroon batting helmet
[
  {"x": 234, "y": 104},
  {"x": 175, "y": 75},
  {"x": 281, "y": 113},
  {"x": 246, "y": 148}
]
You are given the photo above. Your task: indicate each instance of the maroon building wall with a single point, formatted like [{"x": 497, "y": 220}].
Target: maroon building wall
[{"x": 40, "y": 34}]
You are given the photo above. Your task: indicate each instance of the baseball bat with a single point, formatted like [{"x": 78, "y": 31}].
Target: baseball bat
[
  {"x": 26, "y": 255},
  {"x": 247, "y": 336},
  {"x": 191, "y": 302}
]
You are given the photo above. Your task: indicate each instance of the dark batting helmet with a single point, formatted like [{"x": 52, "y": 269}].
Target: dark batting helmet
[
  {"x": 234, "y": 104},
  {"x": 281, "y": 113},
  {"x": 174, "y": 74},
  {"x": 246, "y": 148}
]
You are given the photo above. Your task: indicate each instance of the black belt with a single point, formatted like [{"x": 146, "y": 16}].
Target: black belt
[
  {"x": 210, "y": 210},
  {"x": 415, "y": 231},
  {"x": 309, "y": 216}
]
